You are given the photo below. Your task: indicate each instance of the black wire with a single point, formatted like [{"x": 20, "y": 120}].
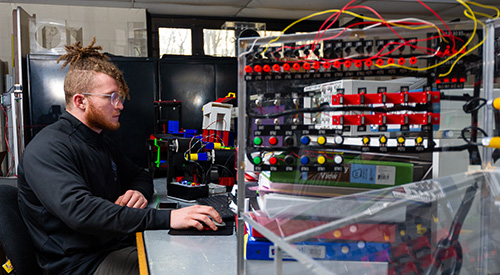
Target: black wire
[
  {"x": 8, "y": 91},
  {"x": 468, "y": 141},
  {"x": 326, "y": 108},
  {"x": 474, "y": 105}
]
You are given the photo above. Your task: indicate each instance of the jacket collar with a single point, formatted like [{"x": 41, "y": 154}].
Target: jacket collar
[{"x": 81, "y": 130}]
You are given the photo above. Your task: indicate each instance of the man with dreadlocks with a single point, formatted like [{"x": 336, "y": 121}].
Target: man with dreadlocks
[{"x": 81, "y": 198}]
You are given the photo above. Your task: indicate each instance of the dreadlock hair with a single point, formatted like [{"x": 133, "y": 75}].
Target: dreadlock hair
[{"x": 84, "y": 64}]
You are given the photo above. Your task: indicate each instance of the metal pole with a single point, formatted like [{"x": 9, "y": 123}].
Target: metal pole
[
  {"x": 488, "y": 69},
  {"x": 242, "y": 133}
]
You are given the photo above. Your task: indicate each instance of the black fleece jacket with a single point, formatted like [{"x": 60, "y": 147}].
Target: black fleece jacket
[{"x": 69, "y": 178}]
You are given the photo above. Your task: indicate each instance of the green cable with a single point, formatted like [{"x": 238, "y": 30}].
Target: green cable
[{"x": 157, "y": 162}]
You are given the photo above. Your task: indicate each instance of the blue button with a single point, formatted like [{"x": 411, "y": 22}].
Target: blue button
[
  {"x": 305, "y": 140},
  {"x": 304, "y": 160}
]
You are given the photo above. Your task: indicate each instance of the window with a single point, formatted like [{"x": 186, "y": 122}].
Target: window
[
  {"x": 219, "y": 42},
  {"x": 175, "y": 41}
]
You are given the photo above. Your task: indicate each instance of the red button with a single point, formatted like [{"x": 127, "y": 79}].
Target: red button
[
  {"x": 266, "y": 68},
  {"x": 326, "y": 65},
  {"x": 380, "y": 62},
  {"x": 257, "y": 68},
  {"x": 248, "y": 69},
  {"x": 273, "y": 160},
  {"x": 307, "y": 66},
  {"x": 358, "y": 63},
  {"x": 316, "y": 65},
  {"x": 413, "y": 60},
  {"x": 336, "y": 64},
  {"x": 348, "y": 64},
  {"x": 401, "y": 61},
  {"x": 296, "y": 66},
  {"x": 286, "y": 67},
  {"x": 369, "y": 63},
  {"x": 390, "y": 61},
  {"x": 273, "y": 141},
  {"x": 276, "y": 67}
]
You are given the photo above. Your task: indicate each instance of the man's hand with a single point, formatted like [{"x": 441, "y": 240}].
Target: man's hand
[
  {"x": 132, "y": 199},
  {"x": 192, "y": 216}
]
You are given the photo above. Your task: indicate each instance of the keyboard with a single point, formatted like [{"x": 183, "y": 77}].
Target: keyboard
[{"x": 221, "y": 204}]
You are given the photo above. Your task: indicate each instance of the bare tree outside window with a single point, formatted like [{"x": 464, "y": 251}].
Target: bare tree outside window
[
  {"x": 175, "y": 41},
  {"x": 219, "y": 42}
]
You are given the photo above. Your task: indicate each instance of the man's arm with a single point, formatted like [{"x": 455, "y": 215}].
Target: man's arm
[
  {"x": 133, "y": 199},
  {"x": 60, "y": 188}
]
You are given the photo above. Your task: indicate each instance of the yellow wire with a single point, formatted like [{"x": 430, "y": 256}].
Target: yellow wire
[
  {"x": 353, "y": 14},
  {"x": 470, "y": 14},
  {"x": 486, "y": 7},
  {"x": 485, "y": 15},
  {"x": 467, "y": 12},
  {"x": 298, "y": 21},
  {"x": 451, "y": 56}
]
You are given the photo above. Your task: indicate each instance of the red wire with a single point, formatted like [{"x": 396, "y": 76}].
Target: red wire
[
  {"x": 440, "y": 19},
  {"x": 316, "y": 39},
  {"x": 424, "y": 50}
]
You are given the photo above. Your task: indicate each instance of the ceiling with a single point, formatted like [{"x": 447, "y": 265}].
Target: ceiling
[{"x": 280, "y": 9}]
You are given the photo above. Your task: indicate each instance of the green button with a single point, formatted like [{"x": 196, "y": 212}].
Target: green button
[
  {"x": 257, "y": 141},
  {"x": 257, "y": 160}
]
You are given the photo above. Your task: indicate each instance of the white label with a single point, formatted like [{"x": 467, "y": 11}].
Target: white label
[
  {"x": 313, "y": 251},
  {"x": 385, "y": 175}
]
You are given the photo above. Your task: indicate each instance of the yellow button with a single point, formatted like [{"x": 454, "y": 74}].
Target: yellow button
[
  {"x": 321, "y": 140},
  {"x": 366, "y": 140},
  {"x": 337, "y": 234},
  {"x": 321, "y": 159},
  {"x": 419, "y": 140},
  {"x": 383, "y": 140},
  {"x": 401, "y": 140}
]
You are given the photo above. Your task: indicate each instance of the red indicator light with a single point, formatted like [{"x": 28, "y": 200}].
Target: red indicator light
[
  {"x": 316, "y": 65},
  {"x": 438, "y": 81},
  {"x": 273, "y": 141},
  {"x": 462, "y": 79},
  {"x": 326, "y": 65},
  {"x": 276, "y": 67},
  {"x": 390, "y": 61},
  {"x": 286, "y": 67},
  {"x": 336, "y": 64},
  {"x": 273, "y": 160},
  {"x": 413, "y": 60},
  {"x": 296, "y": 66},
  {"x": 446, "y": 80},
  {"x": 369, "y": 63},
  {"x": 306, "y": 66},
  {"x": 380, "y": 62},
  {"x": 248, "y": 69},
  {"x": 358, "y": 63},
  {"x": 266, "y": 68},
  {"x": 454, "y": 80},
  {"x": 401, "y": 61},
  {"x": 257, "y": 68},
  {"x": 348, "y": 64}
]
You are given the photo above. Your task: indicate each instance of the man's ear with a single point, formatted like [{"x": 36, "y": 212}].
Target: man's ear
[{"x": 80, "y": 101}]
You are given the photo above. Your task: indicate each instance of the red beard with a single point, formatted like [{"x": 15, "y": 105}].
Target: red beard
[{"x": 96, "y": 120}]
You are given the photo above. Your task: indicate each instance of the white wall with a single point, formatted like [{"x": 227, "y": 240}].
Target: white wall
[{"x": 108, "y": 25}]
